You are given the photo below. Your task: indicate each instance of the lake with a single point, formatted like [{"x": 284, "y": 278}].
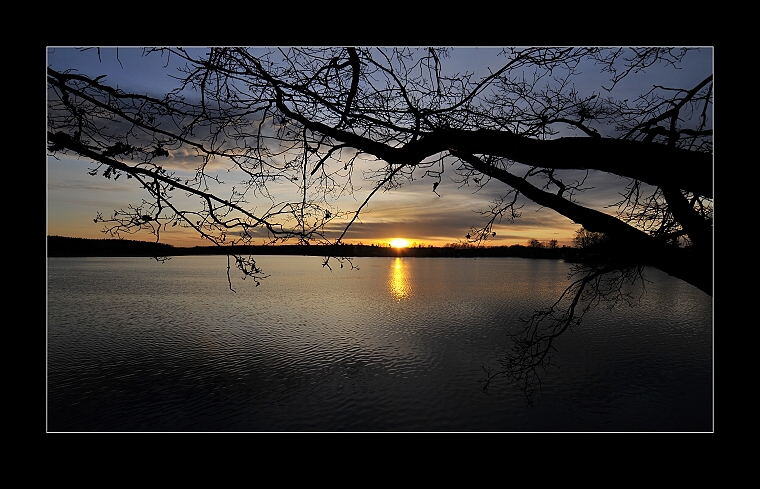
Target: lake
[{"x": 398, "y": 345}]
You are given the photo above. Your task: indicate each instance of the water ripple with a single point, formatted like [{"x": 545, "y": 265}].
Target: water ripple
[{"x": 177, "y": 351}]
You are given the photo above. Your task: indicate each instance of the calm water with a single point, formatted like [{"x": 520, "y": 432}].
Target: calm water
[{"x": 398, "y": 345}]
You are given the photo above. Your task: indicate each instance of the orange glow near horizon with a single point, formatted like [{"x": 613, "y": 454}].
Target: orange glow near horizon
[{"x": 399, "y": 243}]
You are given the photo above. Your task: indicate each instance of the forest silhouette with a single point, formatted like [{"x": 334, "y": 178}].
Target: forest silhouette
[{"x": 60, "y": 246}]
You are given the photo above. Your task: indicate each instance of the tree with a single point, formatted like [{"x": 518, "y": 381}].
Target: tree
[
  {"x": 587, "y": 240},
  {"x": 322, "y": 119}
]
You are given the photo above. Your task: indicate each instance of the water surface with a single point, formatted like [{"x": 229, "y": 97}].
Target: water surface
[{"x": 398, "y": 345}]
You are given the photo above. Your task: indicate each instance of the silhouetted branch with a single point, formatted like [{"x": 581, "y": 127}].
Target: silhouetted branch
[
  {"x": 530, "y": 356},
  {"x": 301, "y": 122}
]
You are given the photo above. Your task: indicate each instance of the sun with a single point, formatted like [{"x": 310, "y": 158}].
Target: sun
[{"x": 399, "y": 243}]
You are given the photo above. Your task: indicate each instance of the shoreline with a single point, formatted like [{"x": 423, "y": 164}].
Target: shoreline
[{"x": 59, "y": 246}]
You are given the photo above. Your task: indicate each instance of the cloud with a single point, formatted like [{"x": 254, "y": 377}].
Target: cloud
[{"x": 412, "y": 211}]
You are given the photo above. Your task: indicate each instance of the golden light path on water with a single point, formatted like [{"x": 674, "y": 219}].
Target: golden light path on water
[{"x": 399, "y": 281}]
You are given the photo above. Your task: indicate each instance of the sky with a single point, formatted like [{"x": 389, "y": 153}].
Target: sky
[{"x": 412, "y": 212}]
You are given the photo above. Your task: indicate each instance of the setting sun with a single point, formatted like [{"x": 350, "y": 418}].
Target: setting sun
[{"x": 399, "y": 243}]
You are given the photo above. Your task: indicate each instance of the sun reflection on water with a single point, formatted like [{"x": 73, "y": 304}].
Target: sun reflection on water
[{"x": 398, "y": 281}]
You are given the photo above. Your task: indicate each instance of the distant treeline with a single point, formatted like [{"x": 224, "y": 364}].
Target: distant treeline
[
  {"x": 63, "y": 246},
  {"x": 59, "y": 246}
]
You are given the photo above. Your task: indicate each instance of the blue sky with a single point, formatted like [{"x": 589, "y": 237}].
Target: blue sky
[{"x": 413, "y": 212}]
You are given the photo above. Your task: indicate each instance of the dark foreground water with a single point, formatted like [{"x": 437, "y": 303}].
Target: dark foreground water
[{"x": 398, "y": 345}]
